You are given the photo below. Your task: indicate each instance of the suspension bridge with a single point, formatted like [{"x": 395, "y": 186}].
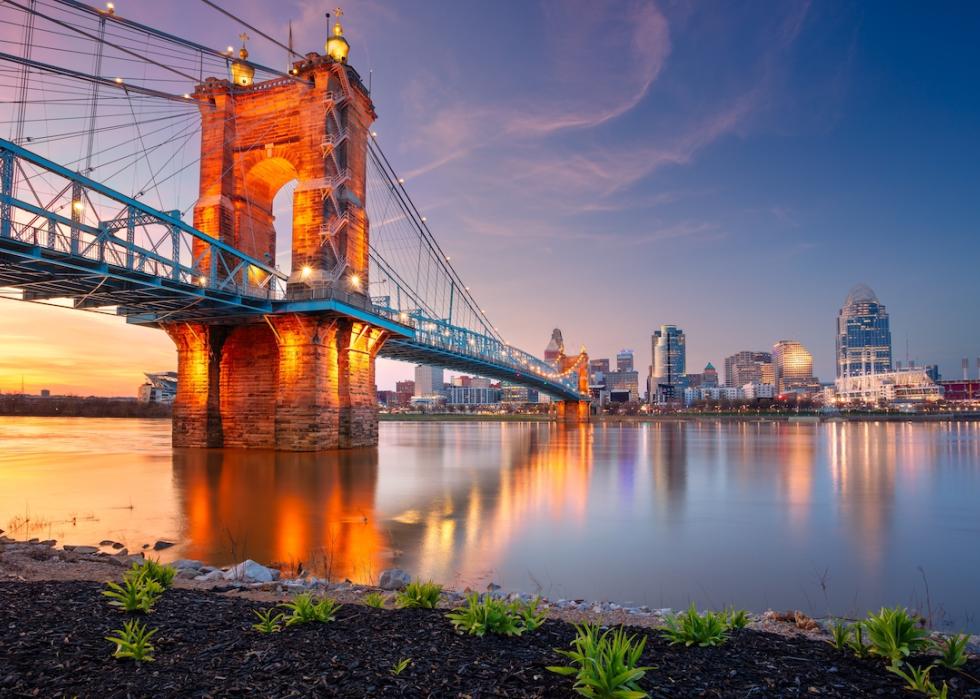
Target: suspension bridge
[{"x": 109, "y": 122}]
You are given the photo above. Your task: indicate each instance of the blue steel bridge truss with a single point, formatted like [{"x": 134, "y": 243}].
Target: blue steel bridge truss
[{"x": 83, "y": 241}]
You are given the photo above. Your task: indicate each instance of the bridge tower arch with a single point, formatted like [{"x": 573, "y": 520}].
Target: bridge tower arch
[{"x": 292, "y": 381}]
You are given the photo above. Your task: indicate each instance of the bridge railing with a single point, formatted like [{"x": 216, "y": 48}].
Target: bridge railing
[{"x": 79, "y": 221}]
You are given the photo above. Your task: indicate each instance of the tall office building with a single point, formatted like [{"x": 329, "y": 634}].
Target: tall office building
[
  {"x": 668, "y": 347},
  {"x": 864, "y": 341},
  {"x": 624, "y": 360},
  {"x": 428, "y": 380},
  {"x": 793, "y": 366},
  {"x": 748, "y": 367}
]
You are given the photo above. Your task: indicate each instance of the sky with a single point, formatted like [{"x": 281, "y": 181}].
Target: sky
[{"x": 604, "y": 168}]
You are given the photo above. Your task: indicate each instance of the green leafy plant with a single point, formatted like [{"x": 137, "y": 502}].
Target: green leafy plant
[
  {"x": 953, "y": 651},
  {"x": 374, "y": 599},
  {"x": 894, "y": 634},
  {"x": 304, "y": 609},
  {"x": 270, "y": 620},
  {"x": 479, "y": 617},
  {"x": 856, "y": 640},
  {"x": 839, "y": 635},
  {"x": 604, "y": 666},
  {"x": 419, "y": 595},
  {"x": 137, "y": 594},
  {"x": 691, "y": 628},
  {"x": 162, "y": 574},
  {"x": 736, "y": 619},
  {"x": 917, "y": 680},
  {"x": 133, "y": 641},
  {"x": 399, "y": 667}
]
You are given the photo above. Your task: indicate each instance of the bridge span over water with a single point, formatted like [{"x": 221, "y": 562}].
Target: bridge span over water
[{"x": 266, "y": 358}]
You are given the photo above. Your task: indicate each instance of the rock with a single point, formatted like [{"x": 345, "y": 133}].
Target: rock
[
  {"x": 48, "y": 542},
  {"x": 108, "y": 542},
  {"x": 146, "y": 546},
  {"x": 186, "y": 574},
  {"x": 122, "y": 553},
  {"x": 394, "y": 579},
  {"x": 182, "y": 563},
  {"x": 213, "y": 576},
  {"x": 250, "y": 571},
  {"x": 83, "y": 549},
  {"x": 116, "y": 545},
  {"x": 162, "y": 544}
]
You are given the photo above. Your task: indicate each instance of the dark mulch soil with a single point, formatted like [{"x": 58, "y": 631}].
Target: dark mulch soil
[{"x": 52, "y": 644}]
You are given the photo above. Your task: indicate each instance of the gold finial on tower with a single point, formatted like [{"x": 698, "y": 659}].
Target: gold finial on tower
[
  {"x": 242, "y": 74},
  {"x": 337, "y": 47}
]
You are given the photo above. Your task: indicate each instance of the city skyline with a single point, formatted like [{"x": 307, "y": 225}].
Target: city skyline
[{"x": 737, "y": 192}]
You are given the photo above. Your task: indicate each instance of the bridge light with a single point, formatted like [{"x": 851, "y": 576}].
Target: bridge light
[
  {"x": 118, "y": 81},
  {"x": 187, "y": 96},
  {"x": 424, "y": 219},
  {"x": 202, "y": 280},
  {"x": 230, "y": 49},
  {"x": 305, "y": 272},
  {"x": 77, "y": 205},
  {"x": 374, "y": 134},
  {"x": 401, "y": 180},
  {"x": 110, "y": 7},
  {"x": 403, "y": 316},
  {"x": 355, "y": 281}
]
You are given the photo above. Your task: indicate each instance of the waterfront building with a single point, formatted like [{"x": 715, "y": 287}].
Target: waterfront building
[
  {"x": 517, "y": 395},
  {"x": 598, "y": 366},
  {"x": 160, "y": 387},
  {"x": 709, "y": 377},
  {"x": 864, "y": 340},
  {"x": 754, "y": 391},
  {"x": 407, "y": 386},
  {"x": 901, "y": 386},
  {"x": 695, "y": 395},
  {"x": 474, "y": 395},
  {"x": 749, "y": 366},
  {"x": 624, "y": 385},
  {"x": 428, "y": 381},
  {"x": 555, "y": 348},
  {"x": 793, "y": 368},
  {"x": 669, "y": 352}
]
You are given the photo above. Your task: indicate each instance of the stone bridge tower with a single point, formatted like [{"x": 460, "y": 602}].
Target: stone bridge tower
[{"x": 294, "y": 381}]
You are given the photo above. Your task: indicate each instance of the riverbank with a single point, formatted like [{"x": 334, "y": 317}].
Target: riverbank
[
  {"x": 52, "y": 642},
  {"x": 693, "y": 417},
  {"x": 15, "y": 405}
]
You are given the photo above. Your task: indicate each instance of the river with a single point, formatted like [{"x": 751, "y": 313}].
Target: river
[{"x": 831, "y": 518}]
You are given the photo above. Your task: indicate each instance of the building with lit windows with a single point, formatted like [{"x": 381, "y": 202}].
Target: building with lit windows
[
  {"x": 793, "y": 368},
  {"x": 748, "y": 366},
  {"x": 669, "y": 351},
  {"x": 428, "y": 381},
  {"x": 555, "y": 348},
  {"x": 912, "y": 385},
  {"x": 864, "y": 340}
]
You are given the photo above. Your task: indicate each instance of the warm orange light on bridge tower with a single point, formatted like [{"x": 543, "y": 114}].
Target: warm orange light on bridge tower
[{"x": 290, "y": 381}]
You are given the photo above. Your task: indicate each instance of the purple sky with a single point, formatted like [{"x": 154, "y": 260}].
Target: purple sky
[{"x": 608, "y": 167}]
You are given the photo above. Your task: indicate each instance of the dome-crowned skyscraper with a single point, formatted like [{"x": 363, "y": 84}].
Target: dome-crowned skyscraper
[{"x": 864, "y": 340}]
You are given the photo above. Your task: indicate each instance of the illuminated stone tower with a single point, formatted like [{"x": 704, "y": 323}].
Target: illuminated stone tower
[{"x": 296, "y": 381}]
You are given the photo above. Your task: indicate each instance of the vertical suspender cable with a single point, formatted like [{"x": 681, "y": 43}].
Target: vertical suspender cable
[{"x": 95, "y": 97}]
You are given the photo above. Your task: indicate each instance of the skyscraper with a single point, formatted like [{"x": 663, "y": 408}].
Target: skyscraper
[
  {"x": 624, "y": 360},
  {"x": 793, "y": 366},
  {"x": 668, "y": 347},
  {"x": 864, "y": 340},
  {"x": 748, "y": 367}
]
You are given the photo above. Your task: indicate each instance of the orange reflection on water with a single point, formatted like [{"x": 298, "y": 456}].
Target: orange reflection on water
[{"x": 314, "y": 509}]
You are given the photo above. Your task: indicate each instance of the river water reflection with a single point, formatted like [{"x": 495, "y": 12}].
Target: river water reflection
[{"x": 825, "y": 517}]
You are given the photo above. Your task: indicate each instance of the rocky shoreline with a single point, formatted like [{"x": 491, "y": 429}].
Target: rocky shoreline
[{"x": 52, "y": 641}]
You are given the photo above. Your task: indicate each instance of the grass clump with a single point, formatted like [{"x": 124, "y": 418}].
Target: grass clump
[
  {"x": 137, "y": 594},
  {"x": 953, "y": 651},
  {"x": 270, "y": 621},
  {"x": 479, "y": 617},
  {"x": 736, "y": 619},
  {"x": 691, "y": 628},
  {"x": 399, "y": 667},
  {"x": 304, "y": 609},
  {"x": 132, "y": 641},
  {"x": 374, "y": 599},
  {"x": 605, "y": 666},
  {"x": 894, "y": 634},
  {"x": 419, "y": 595},
  {"x": 161, "y": 574},
  {"x": 917, "y": 680}
]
